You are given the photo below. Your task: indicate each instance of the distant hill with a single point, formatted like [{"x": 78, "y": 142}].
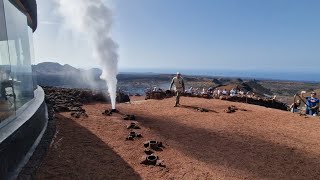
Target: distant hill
[
  {"x": 237, "y": 83},
  {"x": 54, "y": 68},
  {"x": 258, "y": 88},
  {"x": 55, "y": 74}
]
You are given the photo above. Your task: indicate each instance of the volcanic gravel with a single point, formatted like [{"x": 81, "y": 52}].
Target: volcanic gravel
[{"x": 252, "y": 143}]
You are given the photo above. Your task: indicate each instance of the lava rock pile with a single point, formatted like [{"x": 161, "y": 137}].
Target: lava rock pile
[
  {"x": 109, "y": 112},
  {"x": 158, "y": 94},
  {"x": 67, "y": 100},
  {"x": 202, "y": 110},
  {"x": 231, "y": 109},
  {"x": 133, "y": 125},
  {"x": 72, "y": 100},
  {"x": 122, "y": 97},
  {"x": 132, "y": 135},
  {"x": 79, "y": 114},
  {"x": 153, "y": 145},
  {"x": 129, "y": 117}
]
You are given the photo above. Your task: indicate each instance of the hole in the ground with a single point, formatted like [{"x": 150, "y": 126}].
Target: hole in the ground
[{"x": 152, "y": 158}]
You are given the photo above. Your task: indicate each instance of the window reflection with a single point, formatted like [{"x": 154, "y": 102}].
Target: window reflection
[
  {"x": 16, "y": 56},
  {"x": 6, "y": 101}
]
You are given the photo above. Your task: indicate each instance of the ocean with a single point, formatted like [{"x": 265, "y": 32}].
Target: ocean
[{"x": 304, "y": 76}]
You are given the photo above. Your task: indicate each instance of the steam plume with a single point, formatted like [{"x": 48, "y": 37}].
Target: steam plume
[{"x": 93, "y": 19}]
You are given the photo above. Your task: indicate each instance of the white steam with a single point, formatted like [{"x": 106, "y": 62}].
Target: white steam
[{"x": 93, "y": 19}]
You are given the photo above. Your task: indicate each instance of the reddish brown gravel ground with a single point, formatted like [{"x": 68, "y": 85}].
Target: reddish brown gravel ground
[{"x": 259, "y": 143}]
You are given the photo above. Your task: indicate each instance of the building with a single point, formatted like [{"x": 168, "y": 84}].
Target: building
[{"x": 23, "y": 116}]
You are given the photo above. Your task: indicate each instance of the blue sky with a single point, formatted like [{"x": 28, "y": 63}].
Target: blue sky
[{"x": 266, "y": 35}]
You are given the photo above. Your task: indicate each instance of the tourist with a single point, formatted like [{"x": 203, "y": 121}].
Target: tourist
[
  {"x": 203, "y": 91},
  {"x": 225, "y": 92},
  {"x": 218, "y": 92},
  {"x": 197, "y": 92},
  {"x": 233, "y": 92},
  {"x": 274, "y": 98},
  {"x": 210, "y": 91},
  {"x": 154, "y": 89},
  {"x": 215, "y": 92},
  {"x": 241, "y": 92},
  {"x": 179, "y": 87},
  {"x": 312, "y": 104},
  {"x": 295, "y": 106}
]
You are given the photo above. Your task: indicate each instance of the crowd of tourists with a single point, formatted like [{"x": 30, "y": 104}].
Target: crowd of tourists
[{"x": 217, "y": 92}]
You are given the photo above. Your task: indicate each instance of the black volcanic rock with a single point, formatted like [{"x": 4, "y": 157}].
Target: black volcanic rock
[
  {"x": 65, "y": 100},
  {"x": 216, "y": 81},
  {"x": 122, "y": 98},
  {"x": 237, "y": 80},
  {"x": 158, "y": 94},
  {"x": 257, "y": 88}
]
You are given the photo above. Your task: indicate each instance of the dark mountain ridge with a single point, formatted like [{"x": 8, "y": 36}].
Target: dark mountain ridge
[{"x": 55, "y": 74}]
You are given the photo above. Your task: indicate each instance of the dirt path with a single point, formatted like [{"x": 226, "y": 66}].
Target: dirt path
[{"x": 259, "y": 143}]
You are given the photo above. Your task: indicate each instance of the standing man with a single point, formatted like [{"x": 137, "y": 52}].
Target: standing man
[{"x": 179, "y": 87}]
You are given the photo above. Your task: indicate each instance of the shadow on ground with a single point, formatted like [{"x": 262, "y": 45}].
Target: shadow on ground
[
  {"x": 258, "y": 157},
  {"x": 79, "y": 154},
  {"x": 197, "y": 108}
]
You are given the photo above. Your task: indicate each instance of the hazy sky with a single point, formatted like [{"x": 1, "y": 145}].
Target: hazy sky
[{"x": 195, "y": 34}]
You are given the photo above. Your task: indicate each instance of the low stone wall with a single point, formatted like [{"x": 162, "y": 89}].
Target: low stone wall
[{"x": 258, "y": 101}]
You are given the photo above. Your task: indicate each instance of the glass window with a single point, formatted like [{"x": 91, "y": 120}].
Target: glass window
[
  {"x": 19, "y": 54},
  {"x": 7, "y": 106},
  {"x": 34, "y": 76}
]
